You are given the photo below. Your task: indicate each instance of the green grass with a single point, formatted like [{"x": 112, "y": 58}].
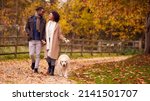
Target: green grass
[
  {"x": 134, "y": 70},
  {"x": 88, "y": 55},
  {"x": 74, "y": 56},
  {"x": 131, "y": 51},
  {"x": 19, "y": 57},
  {"x": 9, "y": 57}
]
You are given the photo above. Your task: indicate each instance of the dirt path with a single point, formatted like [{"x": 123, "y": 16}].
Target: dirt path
[{"x": 19, "y": 72}]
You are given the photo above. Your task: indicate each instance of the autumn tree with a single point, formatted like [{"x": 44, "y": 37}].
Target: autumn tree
[
  {"x": 147, "y": 34},
  {"x": 121, "y": 19}
]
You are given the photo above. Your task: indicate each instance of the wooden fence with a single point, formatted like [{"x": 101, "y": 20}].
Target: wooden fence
[{"x": 19, "y": 45}]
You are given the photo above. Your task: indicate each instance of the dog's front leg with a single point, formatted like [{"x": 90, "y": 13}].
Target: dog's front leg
[
  {"x": 66, "y": 74},
  {"x": 61, "y": 72}
]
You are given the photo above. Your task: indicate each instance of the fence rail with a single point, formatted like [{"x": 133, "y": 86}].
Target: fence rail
[{"x": 19, "y": 45}]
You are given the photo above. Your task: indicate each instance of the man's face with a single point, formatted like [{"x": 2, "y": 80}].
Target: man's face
[{"x": 41, "y": 12}]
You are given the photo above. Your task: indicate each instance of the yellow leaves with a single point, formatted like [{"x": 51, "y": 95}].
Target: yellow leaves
[
  {"x": 130, "y": 71},
  {"x": 114, "y": 33},
  {"x": 30, "y": 10},
  {"x": 66, "y": 26},
  {"x": 115, "y": 17}
]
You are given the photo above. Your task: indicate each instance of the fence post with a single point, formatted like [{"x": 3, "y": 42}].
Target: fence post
[
  {"x": 109, "y": 47},
  {"x": 16, "y": 48},
  {"x": 17, "y": 26},
  {"x": 71, "y": 47},
  {"x": 101, "y": 46},
  {"x": 91, "y": 47},
  {"x": 140, "y": 44},
  {"x": 82, "y": 43}
]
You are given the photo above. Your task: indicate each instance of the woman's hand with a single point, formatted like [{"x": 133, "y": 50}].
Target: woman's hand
[{"x": 67, "y": 41}]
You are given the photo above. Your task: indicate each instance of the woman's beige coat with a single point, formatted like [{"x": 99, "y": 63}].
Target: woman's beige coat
[{"x": 57, "y": 37}]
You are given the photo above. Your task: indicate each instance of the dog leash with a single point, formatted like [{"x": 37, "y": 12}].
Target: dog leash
[{"x": 66, "y": 47}]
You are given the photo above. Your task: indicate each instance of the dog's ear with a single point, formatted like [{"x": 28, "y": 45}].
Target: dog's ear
[{"x": 60, "y": 62}]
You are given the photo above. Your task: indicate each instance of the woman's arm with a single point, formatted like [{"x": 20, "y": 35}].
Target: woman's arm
[{"x": 61, "y": 35}]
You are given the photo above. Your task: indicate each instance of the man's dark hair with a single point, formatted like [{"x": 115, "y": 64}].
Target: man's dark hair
[
  {"x": 56, "y": 16},
  {"x": 39, "y": 8}
]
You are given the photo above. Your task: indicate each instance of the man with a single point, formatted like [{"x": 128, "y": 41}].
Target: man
[{"x": 35, "y": 29}]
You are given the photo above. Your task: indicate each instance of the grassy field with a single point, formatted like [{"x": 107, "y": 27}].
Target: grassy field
[
  {"x": 74, "y": 56},
  {"x": 135, "y": 70}
]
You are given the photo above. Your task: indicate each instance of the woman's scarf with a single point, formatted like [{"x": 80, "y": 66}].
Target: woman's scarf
[{"x": 50, "y": 28}]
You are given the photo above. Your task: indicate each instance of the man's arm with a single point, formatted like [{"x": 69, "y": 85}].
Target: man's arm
[
  {"x": 44, "y": 32},
  {"x": 27, "y": 27}
]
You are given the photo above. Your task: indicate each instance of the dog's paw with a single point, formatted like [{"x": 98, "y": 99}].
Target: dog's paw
[{"x": 66, "y": 76}]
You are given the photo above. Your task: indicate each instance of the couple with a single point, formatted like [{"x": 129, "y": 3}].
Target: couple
[{"x": 41, "y": 33}]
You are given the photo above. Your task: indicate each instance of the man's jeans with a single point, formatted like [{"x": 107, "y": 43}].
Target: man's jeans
[{"x": 35, "y": 48}]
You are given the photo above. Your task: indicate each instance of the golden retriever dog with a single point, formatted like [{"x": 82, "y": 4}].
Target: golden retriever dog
[{"x": 63, "y": 64}]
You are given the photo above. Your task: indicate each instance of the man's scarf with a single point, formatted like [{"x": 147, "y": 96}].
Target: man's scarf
[{"x": 37, "y": 22}]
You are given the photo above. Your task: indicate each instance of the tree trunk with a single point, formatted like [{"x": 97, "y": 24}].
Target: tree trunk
[{"x": 147, "y": 35}]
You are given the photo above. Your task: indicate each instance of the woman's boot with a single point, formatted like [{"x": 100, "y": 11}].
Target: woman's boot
[
  {"x": 49, "y": 68},
  {"x": 52, "y": 70}
]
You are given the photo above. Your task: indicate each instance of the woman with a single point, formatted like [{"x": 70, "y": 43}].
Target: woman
[{"x": 53, "y": 38}]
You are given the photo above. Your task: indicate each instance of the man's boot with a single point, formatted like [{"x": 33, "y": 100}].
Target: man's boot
[
  {"x": 32, "y": 66},
  {"x": 35, "y": 70}
]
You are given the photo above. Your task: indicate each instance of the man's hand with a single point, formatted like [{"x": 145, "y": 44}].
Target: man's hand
[{"x": 43, "y": 42}]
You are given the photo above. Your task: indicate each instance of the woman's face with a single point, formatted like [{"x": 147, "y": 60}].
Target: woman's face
[{"x": 51, "y": 17}]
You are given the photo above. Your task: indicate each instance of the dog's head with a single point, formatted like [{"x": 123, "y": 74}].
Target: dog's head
[
  {"x": 64, "y": 60},
  {"x": 64, "y": 63}
]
